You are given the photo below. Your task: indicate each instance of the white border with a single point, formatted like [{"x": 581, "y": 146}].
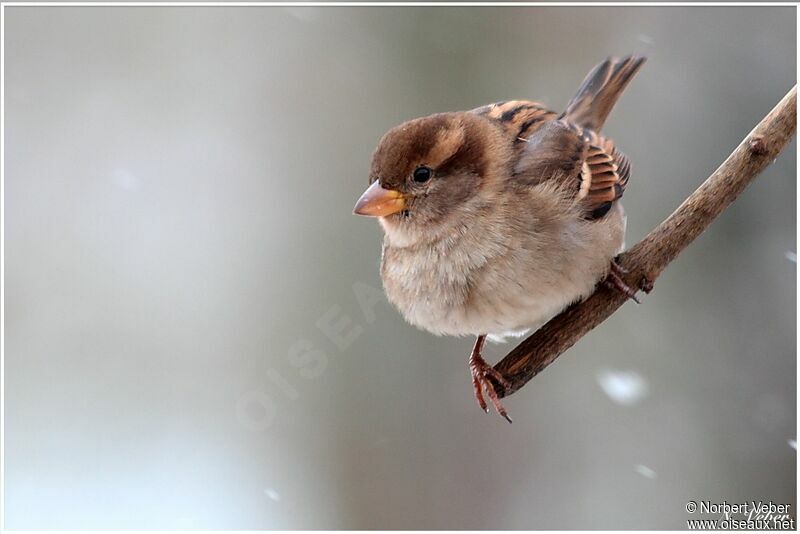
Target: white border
[
  {"x": 3, "y": 5},
  {"x": 400, "y": 4}
]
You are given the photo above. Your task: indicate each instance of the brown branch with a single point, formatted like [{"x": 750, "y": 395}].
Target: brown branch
[{"x": 651, "y": 255}]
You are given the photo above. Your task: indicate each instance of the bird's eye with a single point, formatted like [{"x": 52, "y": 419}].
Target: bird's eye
[{"x": 422, "y": 174}]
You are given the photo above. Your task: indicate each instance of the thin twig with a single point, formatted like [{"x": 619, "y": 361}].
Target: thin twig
[{"x": 648, "y": 258}]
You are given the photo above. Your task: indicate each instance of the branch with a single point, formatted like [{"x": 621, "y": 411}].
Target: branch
[{"x": 648, "y": 258}]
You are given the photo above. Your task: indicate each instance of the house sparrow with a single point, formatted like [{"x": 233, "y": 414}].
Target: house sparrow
[{"x": 498, "y": 218}]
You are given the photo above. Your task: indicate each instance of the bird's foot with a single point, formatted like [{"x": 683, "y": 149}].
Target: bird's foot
[
  {"x": 481, "y": 372},
  {"x": 646, "y": 285},
  {"x": 614, "y": 281}
]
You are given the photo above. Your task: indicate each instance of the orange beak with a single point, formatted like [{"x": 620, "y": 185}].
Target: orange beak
[{"x": 379, "y": 202}]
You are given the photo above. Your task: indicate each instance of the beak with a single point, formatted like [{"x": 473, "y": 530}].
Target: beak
[{"x": 379, "y": 202}]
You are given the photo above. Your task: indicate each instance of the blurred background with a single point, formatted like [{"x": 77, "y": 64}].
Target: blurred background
[{"x": 196, "y": 335}]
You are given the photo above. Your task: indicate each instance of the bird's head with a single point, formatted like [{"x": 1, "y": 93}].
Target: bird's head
[{"x": 425, "y": 173}]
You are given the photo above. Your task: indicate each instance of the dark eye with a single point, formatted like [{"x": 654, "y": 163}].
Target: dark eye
[{"x": 422, "y": 174}]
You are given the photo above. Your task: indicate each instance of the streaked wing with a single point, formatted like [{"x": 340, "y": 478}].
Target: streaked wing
[
  {"x": 586, "y": 162},
  {"x": 520, "y": 118}
]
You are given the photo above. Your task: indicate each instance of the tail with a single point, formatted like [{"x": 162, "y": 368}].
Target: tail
[{"x": 600, "y": 90}]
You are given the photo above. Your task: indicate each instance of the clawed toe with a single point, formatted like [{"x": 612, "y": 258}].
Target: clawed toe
[
  {"x": 617, "y": 268},
  {"x": 481, "y": 374},
  {"x": 481, "y": 383},
  {"x": 646, "y": 285},
  {"x": 614, "y": 281}
]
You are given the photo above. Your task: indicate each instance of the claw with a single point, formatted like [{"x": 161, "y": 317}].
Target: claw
[
  {"x": 481, "y": 371},
  {"x": 646, "y": 285},
  {"x": 617, "y": 268},
  {"x": 614, "y": 281},
  {"x": 476, "y": 386}
]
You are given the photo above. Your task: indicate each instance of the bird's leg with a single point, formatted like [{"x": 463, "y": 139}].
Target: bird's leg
[
  {"x": 614, "y": 281},
  {"x": 480, "y": 382}
]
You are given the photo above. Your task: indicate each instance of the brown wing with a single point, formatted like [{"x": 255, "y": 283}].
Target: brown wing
[
  {"x": 520, "y": 118},
  {"x": 586, "y": 162}
]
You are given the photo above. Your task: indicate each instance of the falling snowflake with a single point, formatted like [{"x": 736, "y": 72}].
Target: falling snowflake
[
  {"x": 644, "y": 38},
  {"x": 623, "y": 387},
  {"x": 645, "y": 471}
]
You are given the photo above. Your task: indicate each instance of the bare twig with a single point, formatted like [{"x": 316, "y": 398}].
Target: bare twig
[{"x": 645, "y": 261}]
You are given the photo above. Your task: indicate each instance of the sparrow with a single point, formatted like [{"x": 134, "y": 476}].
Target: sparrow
[{"x": 497, "y": 219}]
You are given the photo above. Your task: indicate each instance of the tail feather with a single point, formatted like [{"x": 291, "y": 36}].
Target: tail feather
[{"x": 600, "y": 90}]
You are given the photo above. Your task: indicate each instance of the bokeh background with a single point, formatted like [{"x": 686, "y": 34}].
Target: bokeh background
[{"x": 193, "y": 336}]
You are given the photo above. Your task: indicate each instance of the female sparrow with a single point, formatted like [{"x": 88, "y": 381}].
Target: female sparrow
[{"x": 497, "y": 219}]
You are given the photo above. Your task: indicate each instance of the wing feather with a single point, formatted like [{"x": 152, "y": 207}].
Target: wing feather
[
  {"x": 520, "y": 118},
  {"x": 586, "y": 162}
]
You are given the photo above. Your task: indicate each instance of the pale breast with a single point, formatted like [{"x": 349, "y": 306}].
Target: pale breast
[
  {"x": 431, "y": 284},
  {"x": 495, "y": 280}
]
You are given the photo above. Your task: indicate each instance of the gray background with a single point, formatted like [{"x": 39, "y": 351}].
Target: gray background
[{"x": 179, "y": 186}]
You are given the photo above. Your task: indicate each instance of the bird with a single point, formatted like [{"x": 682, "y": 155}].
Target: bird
[{"x": 497, "y": 219}]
